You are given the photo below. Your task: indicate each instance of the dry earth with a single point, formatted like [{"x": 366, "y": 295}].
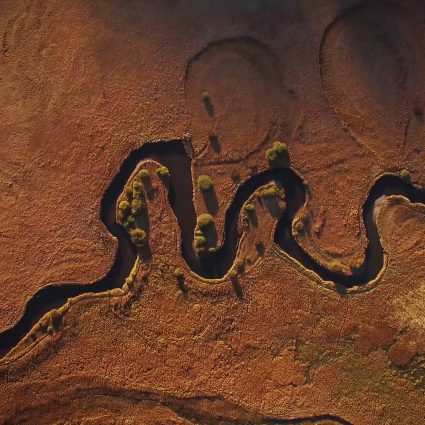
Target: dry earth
[{"x": 84, "y": 83}]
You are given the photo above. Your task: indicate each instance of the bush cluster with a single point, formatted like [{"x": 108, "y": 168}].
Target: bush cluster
[
  {"x": 336, "y": 266},
  {"x": 269, "y": 192},
  {"x": 277, "y": 155},
  {"x": 163, "y": 172},
  {"x": 144, "y": 174},
  {"x": 137, "y": 206}
]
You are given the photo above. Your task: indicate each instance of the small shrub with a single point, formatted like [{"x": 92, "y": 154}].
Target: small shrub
[
  {"x": 124, "y": 206},
  {"x": 138, "y": 237},
  {"x": 137, "y": 186},
  {"x": 137, "y": 205},
  {"x": 336, "y": 266},
  {"x": 130, "y": 222},
  {"x": 178, "y": 273},
  {"x": 278, "y": 154},
  {"x": 163, "y": 172},
  {"x": 204, "y": 182},
  {"x": 204, "y": 221},
  {"x": 249, "y": 208},
  {"x": 205, "y": 96},
  {"x": 232, "y": 273},
  {"x": 129, "y": 193},
  {"x": 144, "y": 174},
  {"x": 199, "y": 241},
  {"x": 405, "y": 175},
  {"x": 269, "y": 192}
]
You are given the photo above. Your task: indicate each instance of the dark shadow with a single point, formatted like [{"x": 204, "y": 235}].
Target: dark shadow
[
  {"x": 252, "y": 217},
  {"x": 148, "y": 187},
  {"x": 272, "y": 206},
  {"x": 259, "y": 246},
  {"x": 237, "y": 287},
  {"x": 215, "y": 144},
  {"x": 208, "y": 105},
  {"x": 210, "y": 234},
  {"x": 210, "y": 200}
]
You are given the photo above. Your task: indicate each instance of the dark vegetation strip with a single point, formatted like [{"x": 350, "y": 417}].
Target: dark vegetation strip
[
  {"x": 192, "y": 409},
  {"x": 174, "y": 156}
]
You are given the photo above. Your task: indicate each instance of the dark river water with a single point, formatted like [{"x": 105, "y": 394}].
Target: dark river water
[{"x": 173, "y": 155}]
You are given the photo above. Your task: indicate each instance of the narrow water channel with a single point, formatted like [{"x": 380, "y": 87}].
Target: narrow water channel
[{"x": 173, "y": 155}]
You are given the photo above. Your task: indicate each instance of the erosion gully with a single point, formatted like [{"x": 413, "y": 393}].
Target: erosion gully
[{"x": 173, "y": 155}]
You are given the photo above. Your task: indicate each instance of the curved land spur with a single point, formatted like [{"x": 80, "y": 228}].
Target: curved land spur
[{"x": 222, "y": 260}]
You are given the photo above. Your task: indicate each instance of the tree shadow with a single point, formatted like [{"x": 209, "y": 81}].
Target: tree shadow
[
  {"x": 148, "y": 187},
  {"x": 214, "y": 142},
  {"x": 253, "y": 218},
  {"x": 273, "y": 207},
  {"x": 210, "y": 200},
  {"x": 237, "y": 287},
  {"x": 208, "y": 104}
]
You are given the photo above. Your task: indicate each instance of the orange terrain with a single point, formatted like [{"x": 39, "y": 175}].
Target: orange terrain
[{"x": 212, "y": 212}]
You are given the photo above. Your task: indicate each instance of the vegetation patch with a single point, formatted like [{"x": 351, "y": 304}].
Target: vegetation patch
[
  {"x": 178, "y": 274},
  {"x": 144, "y": 174},
  {"x": 277, "y": 155},
  {"x": 405, "y": 175},
  {"x": 124, "y": 207},
  {"x": 205, "y": 183},
  {"x": 199, "y": 244},
  {"x": 137, "y": 206},
  {"x": 163, "y": 171},
  {"x": 204, "y": 221},
  {"x": 249, "y": 207},
  {"x": 336, "y": 266},
  {"x": 269, "y": 192},
  {"x": 138, "y": 237},
  {"x": 130, "y": 222}
]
